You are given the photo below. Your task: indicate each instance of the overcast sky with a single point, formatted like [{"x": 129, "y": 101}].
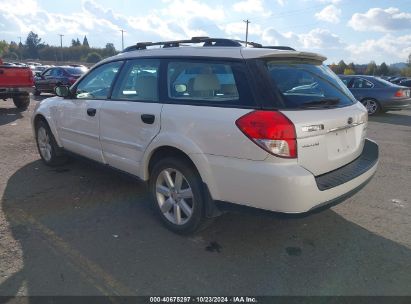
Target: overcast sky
[{"x": 353, "y": 30}]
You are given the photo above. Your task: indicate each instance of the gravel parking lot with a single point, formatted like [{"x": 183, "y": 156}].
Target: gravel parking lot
[{"x": 83, "y": 230}]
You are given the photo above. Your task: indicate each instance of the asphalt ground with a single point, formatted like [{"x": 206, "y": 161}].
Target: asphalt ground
[{"x": 83, "y": 230}]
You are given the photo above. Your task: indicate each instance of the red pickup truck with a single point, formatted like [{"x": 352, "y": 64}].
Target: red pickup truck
[{"x": 17, "y": 83}]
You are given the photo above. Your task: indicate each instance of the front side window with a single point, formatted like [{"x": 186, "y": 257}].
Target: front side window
[
  {"x": 308, "y": 85},
  {"x": 97, "y": 84},
  {"x": 206, "y": 83},
  {"x": 361, "y": 83},
  {"x": 139, "y": 81},
  {"x": 57, "y": 73},
  {"x": 48, "y": 72}
]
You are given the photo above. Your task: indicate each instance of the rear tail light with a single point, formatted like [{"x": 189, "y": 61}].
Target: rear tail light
[
  {"x": 402, "y": 93},
  {"x": 270, "y": 130},
  {"x": 31, "y": 78}
]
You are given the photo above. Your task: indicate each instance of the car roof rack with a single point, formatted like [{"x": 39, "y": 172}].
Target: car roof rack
[{"x": 207, "y": 42}]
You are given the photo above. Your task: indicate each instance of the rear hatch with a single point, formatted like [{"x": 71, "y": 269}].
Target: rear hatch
[
  {"x": 330, "y": 125},
  {"x": 15, "y": 77}
]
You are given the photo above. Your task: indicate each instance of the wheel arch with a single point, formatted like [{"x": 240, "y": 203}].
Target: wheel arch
[
  {"x": 211, "y": 210},
  {"x": 41, "y": 116},
  {"x": 184, "y": 147}
]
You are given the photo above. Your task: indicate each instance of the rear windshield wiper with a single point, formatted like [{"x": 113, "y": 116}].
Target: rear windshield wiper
[{"x": 328, "y": 102}]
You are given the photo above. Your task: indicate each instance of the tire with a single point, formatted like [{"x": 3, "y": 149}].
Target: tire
[
  {"x": 181, "y": 209},
  {"x": 372, "y": 106},
  {"x": 22, "y": 102},
  {"x": 50, "y": 152},
  {"x": 37, "y": 92}
]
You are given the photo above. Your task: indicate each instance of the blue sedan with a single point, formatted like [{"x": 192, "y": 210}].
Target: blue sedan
[{"x": 376, "y": 94}]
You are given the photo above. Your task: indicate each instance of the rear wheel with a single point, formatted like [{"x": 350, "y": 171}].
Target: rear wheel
[
  {"x": 21, "y": 102},
  {"x": 372, "y": 106},
  {"x": 176, "y": 189},
  {"x": 49, "y": 151}
]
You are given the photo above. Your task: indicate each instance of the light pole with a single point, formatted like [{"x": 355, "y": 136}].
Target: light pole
[
  {"x": 61, "y": 45},
  {"x": 246, "y": 31},
  {"x": 122, "y": 39}
]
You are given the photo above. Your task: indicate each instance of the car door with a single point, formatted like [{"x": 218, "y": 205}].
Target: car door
[
  {"x": 130, "y": 119},
  {"x": 360, "y": 88},
  {"x": 78, "y": 117},
  {"x": 41, "y": 82}
]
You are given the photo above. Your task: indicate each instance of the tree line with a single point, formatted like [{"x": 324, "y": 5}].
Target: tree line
[
  {"x": 371, "y": 69},
  {"x": 34, "y": 48}
]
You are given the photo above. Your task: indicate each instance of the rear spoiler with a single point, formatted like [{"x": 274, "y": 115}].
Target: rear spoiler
[
  {"x": 286, "y": 54},
  {"x": 302, "y": 55}
]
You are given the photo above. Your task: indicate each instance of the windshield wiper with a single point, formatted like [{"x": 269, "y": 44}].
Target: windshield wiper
[{"x": 327, "y": 102}]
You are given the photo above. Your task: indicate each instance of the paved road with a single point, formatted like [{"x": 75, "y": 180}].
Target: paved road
[{"x": 81, "y": 230}]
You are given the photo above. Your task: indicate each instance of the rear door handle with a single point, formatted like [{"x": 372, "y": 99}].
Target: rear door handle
[
  {"x": 148, "y": 118},
  {"x": 91, "y": 112}
]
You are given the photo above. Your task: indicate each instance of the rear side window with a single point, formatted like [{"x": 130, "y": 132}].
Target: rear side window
[
  {"x": 308, "y": 85},
  {"x": 139, "y": 81},
  {"x": 208, "y": 83}
]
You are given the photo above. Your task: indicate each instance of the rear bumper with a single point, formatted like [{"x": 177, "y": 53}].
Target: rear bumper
[
  {"x": 396, "y": 104},
  {"x": 12, "y": 92},
  {"x": 285, "y": 187}
]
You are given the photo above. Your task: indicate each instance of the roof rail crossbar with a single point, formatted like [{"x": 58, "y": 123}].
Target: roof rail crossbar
[{"x": 208, "y": 42}]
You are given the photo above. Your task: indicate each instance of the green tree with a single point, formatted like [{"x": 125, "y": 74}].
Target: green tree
[
  {"x": 85, "y": 42},
  {"x": 351, "y": 66},
  {"x": 75, "y": 42},
  {"x": 349, "y": 71},
  {"x": 4, "y": 47},
  {"x": 109, "y": 50},
  {"x": 372, "y": 68},
  {"x": 93, "y": 57},
  {"x": 341, "y": 67},
  {"x": 383, "y": 69},
  {"x": 33, "y": 44}
]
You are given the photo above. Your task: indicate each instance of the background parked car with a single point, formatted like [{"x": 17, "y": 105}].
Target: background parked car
[
  {"x": 397, "y": 80},
  {"x": 376, "y": 94},
  {"x": 55, "y": 76},
  {"x": 406, "y": 83}
]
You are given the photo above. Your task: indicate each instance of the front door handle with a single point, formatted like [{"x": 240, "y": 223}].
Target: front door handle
[
  {"x": 91, "y": 112},
  {"x": 148, "y": 118}
]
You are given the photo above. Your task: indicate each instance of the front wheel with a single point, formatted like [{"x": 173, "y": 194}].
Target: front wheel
[
  {"x": 22, "y": 102},
  {"x": 372, "y": 106},
  {"x": 49, "y": 151},
  {"x": 176, "y": 189}
]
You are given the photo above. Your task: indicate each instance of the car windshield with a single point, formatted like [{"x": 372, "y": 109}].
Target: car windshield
[
  {"x": 384, "y": 82},
  {"x": 308, "y": 85},
  {"x": 76, "y": 70}
]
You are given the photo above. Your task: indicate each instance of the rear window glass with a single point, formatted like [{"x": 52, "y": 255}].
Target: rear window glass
[{"x": 308, "y": 85}]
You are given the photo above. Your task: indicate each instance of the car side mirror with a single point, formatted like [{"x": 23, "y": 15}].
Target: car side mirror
[{"x": 62, "y": 91}]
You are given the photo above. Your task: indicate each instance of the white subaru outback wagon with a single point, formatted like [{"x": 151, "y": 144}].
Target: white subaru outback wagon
[{"x": 208, "y": 120}]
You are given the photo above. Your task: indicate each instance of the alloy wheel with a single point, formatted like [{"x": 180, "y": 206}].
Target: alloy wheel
[
  {"x": 174, "y": 196},
  {"x": 44, "y": 143}
]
